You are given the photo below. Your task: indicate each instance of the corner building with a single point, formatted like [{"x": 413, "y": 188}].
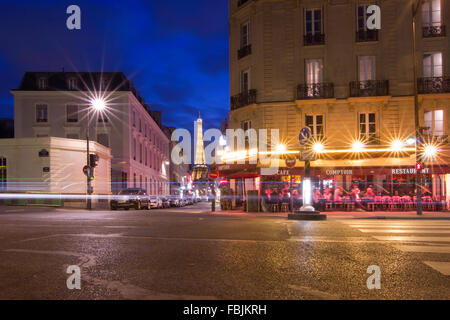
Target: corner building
[{"x": 314, "y": 63}]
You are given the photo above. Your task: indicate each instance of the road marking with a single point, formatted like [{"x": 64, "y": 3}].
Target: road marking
[
  {"x": 15, "y": 210},
  {"x": 442, "y": 267},
  {"x": 423, "y": 249},
  {"x": 444, "y": 223},
  {"x": 398, "y": 227},
  {"x": 403, "y": 231},
  {"x": 412, "y": 239}
]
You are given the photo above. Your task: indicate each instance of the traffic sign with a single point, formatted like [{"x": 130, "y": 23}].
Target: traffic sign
[
  {"x": 304, "y": 136},
  {"x": 87, "y": 171},
  {"x": 213, "y": 175}
]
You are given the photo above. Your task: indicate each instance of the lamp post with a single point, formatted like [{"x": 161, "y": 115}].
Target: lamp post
[
  {"x": 418, "y": 180},
  {"x": 98, "y": 105}
]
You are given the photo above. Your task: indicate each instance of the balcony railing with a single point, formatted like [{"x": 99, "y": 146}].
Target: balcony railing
[
  {"x": 314, "y": 39},
  {"x": 242, "y": 2},
  {"x": 323, "y": 90},
  {"x": 434, "y": 85},
  {"x": 370, "y": 88},
  {"x": 433, "y": 31},
  {"x": 243, "y": 99},
  {"x": 366, "y": 35},
  {"x": 245, "y": 51}
]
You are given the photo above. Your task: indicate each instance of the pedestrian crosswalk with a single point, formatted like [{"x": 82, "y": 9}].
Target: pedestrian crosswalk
[{"x": 412, "y": 236}]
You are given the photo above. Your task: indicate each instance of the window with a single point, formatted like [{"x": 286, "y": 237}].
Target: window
[
  {"x": 134, "y": 149},
  {"x": 3, "y": 174},
  {"x": 313, "y": 21},
  {"x": 245, "y": 34},
  {"x": 134, "y": 119},
  {"x": 245, "y": 81},
  {"x": 362, "y": 17},
  {"x": 145, "y": 130},
  {"x": 432, "y": 65},
  {"x": 124, "y": 180},
  {"x": 72, "y": 113},
  {"x": 431, "y": 13},
  {"x": 316, "y": 124},
  {"x": 140, "y": 125},
  {"x": 72, "y": 84},
  {"x": 145, "y": 155},
  {"x": 314, "y": 71},
  {"x": 140, "y": 152},
  {"x": 367, "y": 68},
  {"x": 103, "y": 139},
  {"x": 41, "y": 113},
  {"x": 134, "y": 180},
  {"x": 102, "y": 118},
  {"x": 73, "y": 136},
  {"x": 434, "y": 120},
  {"x": 42, "y": 83},
  {"x": 246, "y": 125},
  {"x": 367, "y": 126}
]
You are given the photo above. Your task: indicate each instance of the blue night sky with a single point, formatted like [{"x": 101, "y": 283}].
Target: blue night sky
[{"x": 174, "y": 51}]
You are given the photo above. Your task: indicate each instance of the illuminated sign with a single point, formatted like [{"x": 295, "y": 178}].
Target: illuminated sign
[
  {"x": 409, "y": 171},
  {"x": 339, "y": 172}
]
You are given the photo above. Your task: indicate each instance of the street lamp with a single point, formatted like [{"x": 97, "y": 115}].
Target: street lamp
[
  {"x": 415, "y": 5},
  {"x": 98, "y": 105}
]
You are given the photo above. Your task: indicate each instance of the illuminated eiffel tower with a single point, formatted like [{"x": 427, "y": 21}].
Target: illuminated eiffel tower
[{"x": 200, "y": 171}]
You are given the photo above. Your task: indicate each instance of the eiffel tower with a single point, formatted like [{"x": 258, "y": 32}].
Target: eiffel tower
[{"x": 200, "y": 170}]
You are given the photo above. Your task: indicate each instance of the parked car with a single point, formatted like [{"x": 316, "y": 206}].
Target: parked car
[
  {"x": 174, "y": 201},
  {"x": 182, "y": 202},
  {"x": 155, "y": 202},
  {"x": 131, "y": 198},
  {"x": 165, "y": 202},
  {"x": 189, "y": 200}
]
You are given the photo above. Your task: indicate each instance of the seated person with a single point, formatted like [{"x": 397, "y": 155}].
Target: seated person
[
  {"x": 369, "y": 192},
  {"x": 328, "y": 195},
  {"x": 338, "y": 194}
]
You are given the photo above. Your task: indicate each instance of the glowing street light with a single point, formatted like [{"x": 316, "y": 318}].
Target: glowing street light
[
  {"x": 98, "y": 104},
  {"x": 318, "y": 147},
  {"x": 357, "y": 146},
  {"x": 430, "y": 152},
  {"x": 397, "y": 145},
  {"x": 281, "y": 148}
]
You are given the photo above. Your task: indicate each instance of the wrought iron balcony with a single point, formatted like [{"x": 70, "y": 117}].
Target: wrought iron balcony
[
  {"x": 433, "y": 31},
  {"x": 366, "y": 35},
  {"x": 370, "y": 88},
  {"x": 323, "y": 90},
  {"x": 434, "y": 85},
  {"x": 245, "y": 51},
  {"x": 314, "y": 39},
  {"x": 243, "y": 99}
]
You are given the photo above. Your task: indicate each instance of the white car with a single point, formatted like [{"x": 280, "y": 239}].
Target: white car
[{"x": 155, "y": 202}]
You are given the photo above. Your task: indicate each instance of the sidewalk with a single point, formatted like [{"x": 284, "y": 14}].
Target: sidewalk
[{"x": 337, "y": 215}]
